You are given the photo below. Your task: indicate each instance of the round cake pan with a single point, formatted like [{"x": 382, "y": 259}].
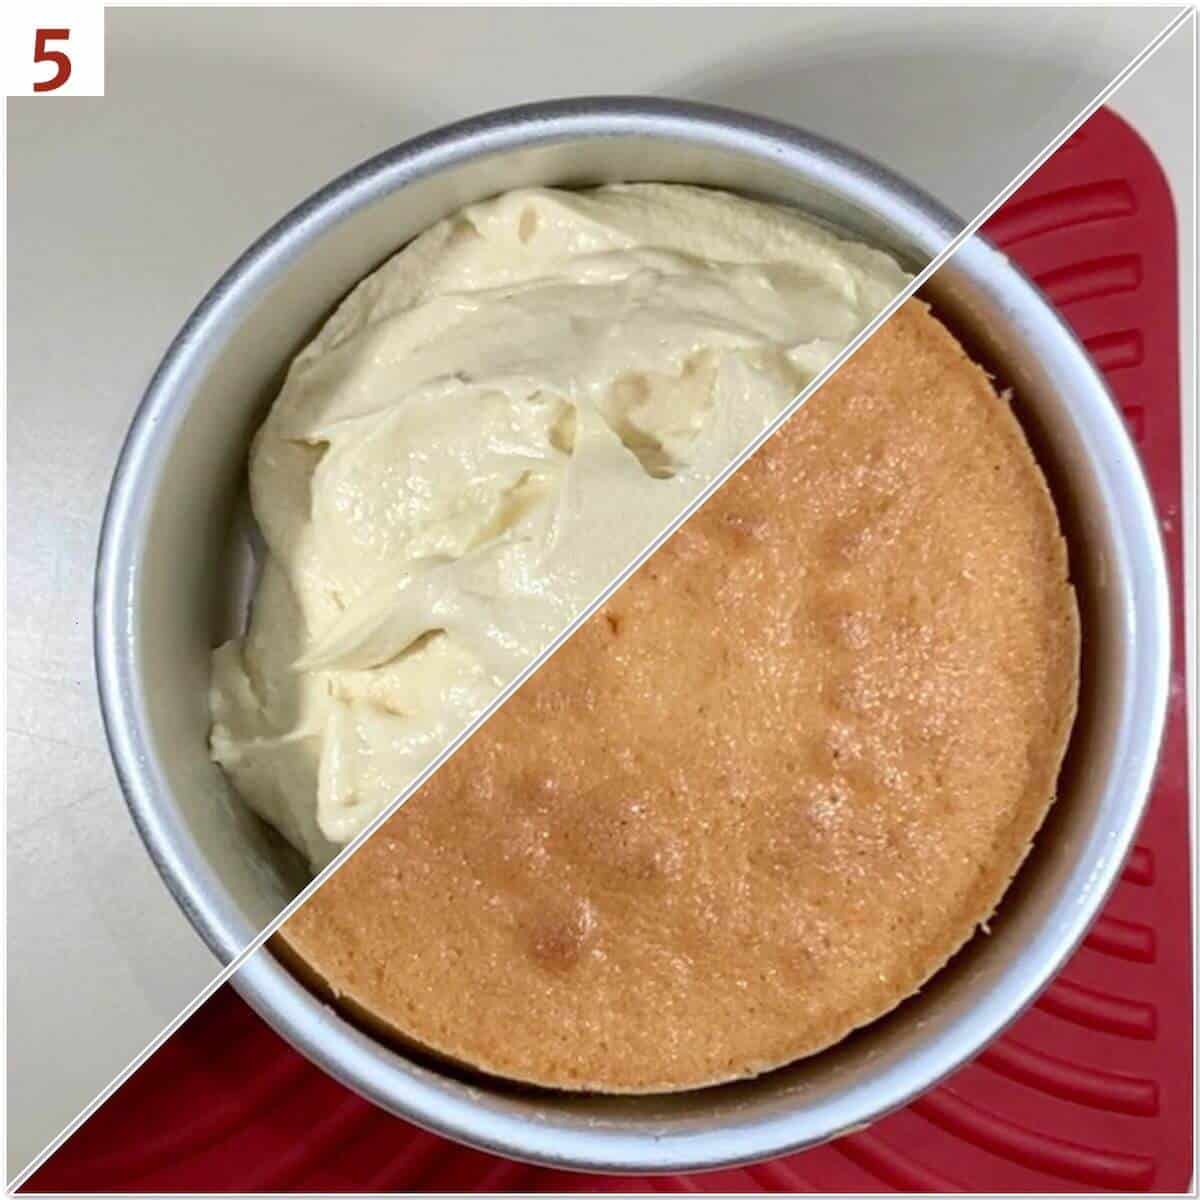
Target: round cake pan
[{"x": 172, "y": 581}]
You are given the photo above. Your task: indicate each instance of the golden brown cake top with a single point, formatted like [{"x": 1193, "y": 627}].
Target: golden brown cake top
[{"x": 767, "y": 791}]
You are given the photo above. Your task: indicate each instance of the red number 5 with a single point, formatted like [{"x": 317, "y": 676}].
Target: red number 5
[{"x": 62, "y": 64}]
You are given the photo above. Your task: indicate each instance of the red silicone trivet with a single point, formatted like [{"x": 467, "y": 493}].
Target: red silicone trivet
[{"x": 1090, "y": 1090}]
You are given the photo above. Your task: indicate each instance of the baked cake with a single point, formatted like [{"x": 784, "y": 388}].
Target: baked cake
[{"x": 767, "y": 791}]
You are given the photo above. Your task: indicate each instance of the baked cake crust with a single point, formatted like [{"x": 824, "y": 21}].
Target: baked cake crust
[{"x": 766, "y": 792}]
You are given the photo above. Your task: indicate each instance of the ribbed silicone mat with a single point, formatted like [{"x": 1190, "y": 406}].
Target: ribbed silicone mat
[{"x": 1090, "y": 1090}]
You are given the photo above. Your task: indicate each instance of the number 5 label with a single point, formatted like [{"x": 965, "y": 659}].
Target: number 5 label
[{"x": 53, "y": 49}]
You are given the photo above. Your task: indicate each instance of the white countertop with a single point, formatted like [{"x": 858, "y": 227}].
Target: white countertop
[{"x": 123, "y": 210}]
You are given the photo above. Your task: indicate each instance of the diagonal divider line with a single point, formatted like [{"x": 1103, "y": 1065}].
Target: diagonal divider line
[{"x": 969, "y": 230}]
